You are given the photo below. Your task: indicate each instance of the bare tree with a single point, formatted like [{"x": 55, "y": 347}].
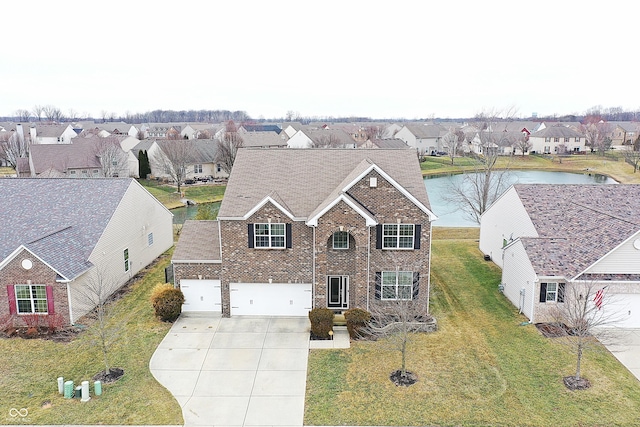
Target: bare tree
[
  {"x": 477, "y": 190},
  {"x": 523, "y": 144},
  {"x": 52, "y": 113},
  {"x": 597, "y": 135},
  {"x": 175, "y": 159},
  {"x": 228, "y": 147},
  {"x": 72, "y": 114},
  {"x": 327, "y": 141},
  {"x": 37, "y": 111},
  {"x": 22, "y": 115},
  {"x": 12, "y": 147},
  {"x": 584, "y": 313},
  {"x": 373, "y": 132},
  {"x": 113, "y": 159},
  {"x": 453, "y": 139},
  {"x": 95, "y": 294},
  {"x": 631, "y": 154}
]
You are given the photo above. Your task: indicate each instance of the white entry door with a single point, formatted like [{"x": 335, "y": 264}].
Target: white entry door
[{"x": 201, "y": 295}]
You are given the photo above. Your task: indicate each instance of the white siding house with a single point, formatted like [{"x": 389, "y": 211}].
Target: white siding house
[{"x": 561, "y": 236}]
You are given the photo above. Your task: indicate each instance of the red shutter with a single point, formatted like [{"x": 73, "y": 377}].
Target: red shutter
[
  {"x": 11, "y": 292},
  {"x": 50, "y": 305}
]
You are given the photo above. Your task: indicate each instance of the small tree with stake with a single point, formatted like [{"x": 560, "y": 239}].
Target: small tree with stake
[{"x": 585, "y": 316}]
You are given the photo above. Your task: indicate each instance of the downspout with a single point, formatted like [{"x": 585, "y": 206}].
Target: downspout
[
  {"x": 313, "y": 271},
  {"x": 69, "y": 302},
  {"x": 429, "y": 264},
  {"x": 533, "y": 302},
  {"x": 368, "y": 265}
]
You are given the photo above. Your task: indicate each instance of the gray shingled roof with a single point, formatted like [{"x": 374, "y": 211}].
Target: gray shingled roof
[
  {"x": 556, "y": 132},
  {"x": 262, "y": 139},
  {"x": 50, "y": 131},
  {"x": 59, "y": 220},
  {"x": 426, "y": 130},
  {"x": 303, "y": 179},
  {"x": 199, "y": 241},
  {"x": 577, "y": 224},
  {"x": 60, "y": 157}
]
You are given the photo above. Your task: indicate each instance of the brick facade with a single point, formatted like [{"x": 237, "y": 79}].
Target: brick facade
[{"x": 39, "y": 274}]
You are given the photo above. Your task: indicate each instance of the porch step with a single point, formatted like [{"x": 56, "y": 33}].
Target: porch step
[{"x": 339, "y": 320}]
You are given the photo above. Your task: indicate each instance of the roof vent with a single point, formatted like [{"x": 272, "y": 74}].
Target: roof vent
[{"x": 373, "y": 182}]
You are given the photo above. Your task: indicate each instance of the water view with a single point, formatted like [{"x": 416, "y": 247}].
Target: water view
[{"x": 451, "y": 216}]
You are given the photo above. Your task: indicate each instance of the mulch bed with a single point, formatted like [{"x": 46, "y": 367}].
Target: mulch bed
[
  {"x": 59, "y": 335},
  {"x": 114, "y": 375},
  {"x": 554, "y": 330},
  {"x": 404, "y": 381},
  {"x": 573, "y": 384}
]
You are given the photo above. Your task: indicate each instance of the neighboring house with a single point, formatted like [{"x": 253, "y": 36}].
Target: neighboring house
[
  {"x": 333, "y": 228},
  {"x": 384, "y": 143},
  {"x": 259, "y": 127},
  {"x": 114, "y": 128},
  {"x": 557, "y": 140},
  {"x": 391, "y": 130},
  {"x": 85, "y": 158},
  {"x": 424, "y": 137},
  {"x": 299, "y": 139},
  {"x": 163, "y": 130},
  {"x": 199, "y": 131},
  {"x": 69, "y": 232},
  {"x": 51, "y": 134},
  {"x": 262, "y": 139},
  {"x": 199, "y": 161},
  {"x": 547, "y": 238},
  {"x": 624, "y": 133}
]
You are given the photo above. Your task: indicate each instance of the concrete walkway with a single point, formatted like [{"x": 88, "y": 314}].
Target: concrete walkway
[
  {"x": 240, "y": 371},
  {"x": 625, "y": 346}
]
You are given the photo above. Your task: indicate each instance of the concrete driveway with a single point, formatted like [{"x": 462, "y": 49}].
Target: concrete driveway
[
  {"x": 240, "y": 371},
  {"x": 625, "y": 346}
]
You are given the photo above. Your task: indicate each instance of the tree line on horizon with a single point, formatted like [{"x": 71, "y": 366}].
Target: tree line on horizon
[{"x": 50, "y": 113}]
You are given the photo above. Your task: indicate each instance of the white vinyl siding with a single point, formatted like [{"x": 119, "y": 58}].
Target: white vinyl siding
[
  {"x": 625, "y": 259},
  {"x": 518, "y": 275}
]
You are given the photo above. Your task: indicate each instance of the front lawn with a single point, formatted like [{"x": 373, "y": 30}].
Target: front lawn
[
  {"x": 29, "y": 369},
  {"x": 481, "y": 367}
]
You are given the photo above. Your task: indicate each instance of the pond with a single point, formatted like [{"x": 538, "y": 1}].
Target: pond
[
  {"x": 180, "y": 215},
  {"x": 452, "y": 216}
]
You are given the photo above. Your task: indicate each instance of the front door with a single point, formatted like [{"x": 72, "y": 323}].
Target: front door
[{"x": 338, "y": 292}]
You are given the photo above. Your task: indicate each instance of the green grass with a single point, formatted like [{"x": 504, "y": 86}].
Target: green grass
[
  {"x": 612, "y": 165},
  {"x": 29, "y": 369},
  {"x": 480, "y": 368},
  {"x": 168, "y": 195}
]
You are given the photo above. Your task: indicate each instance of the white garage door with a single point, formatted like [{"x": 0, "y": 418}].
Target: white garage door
[
  {"x": 626, "y": 309},
  {"x": 201, "y": 295},
  {"x": 270, "y": 299}
]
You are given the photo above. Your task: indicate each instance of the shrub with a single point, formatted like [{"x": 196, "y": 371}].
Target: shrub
[
  {"x": 357, "y": 319},
  {"x": 31, "y": 320},
  {"x": 54, "y": 322},
  {"x": 167, "y": 302},
  {"x": 321, "y": 322},
  {"x": 7, "y": 323}
]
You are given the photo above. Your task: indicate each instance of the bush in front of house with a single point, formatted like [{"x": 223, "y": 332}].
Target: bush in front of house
[
  {"x": 357, "y": 320},
  {"x": 167, "y": 302},
  {"x": 321, "y": 322}
]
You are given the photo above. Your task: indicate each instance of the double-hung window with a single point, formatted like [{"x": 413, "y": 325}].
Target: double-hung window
[
  {"x": 552, "y": 292},
  {"x": 397, "y": 236},
  {"x": 31, "y": 299},
  {"x": 127, "y": 264},
  {"x": 269, "y": 235},
  {"x": 397, "y": 285}
]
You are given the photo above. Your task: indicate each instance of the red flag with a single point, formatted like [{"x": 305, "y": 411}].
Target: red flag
[{"x": 598, "y": 298}]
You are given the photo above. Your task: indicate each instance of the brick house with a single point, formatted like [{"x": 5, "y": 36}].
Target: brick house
[
  {"x": 57, "y": 233},
  {"x": 299, "y": 229}
]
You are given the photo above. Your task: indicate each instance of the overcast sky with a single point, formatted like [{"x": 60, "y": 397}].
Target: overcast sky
[{"x": 378, "y": 59}]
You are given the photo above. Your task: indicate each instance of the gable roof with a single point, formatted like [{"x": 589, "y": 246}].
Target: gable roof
[
  {"x": 426, "y": 130},
  {"x": 306, "y": 179},
  {"x": 262, "y": 139},
  {"x": 50, "y": 214},
  {"x": 556, "y": 132},
  {"x": 577, "y": 224},
  {"x": 60, "y": 157}
]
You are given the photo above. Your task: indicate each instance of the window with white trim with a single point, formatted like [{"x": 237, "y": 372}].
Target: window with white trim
[
  {"x": 397, "y": 285},
  {"x": 31, "y": 299},
  {"x": 197, "y": 168},
  {"x": 341, "y": 240},
  {"x": 269, "y": 235},
  {"x": 552, "y": 292},
  {"x": 397, "y": 236},
  {"x": 127, "y": 264}
]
